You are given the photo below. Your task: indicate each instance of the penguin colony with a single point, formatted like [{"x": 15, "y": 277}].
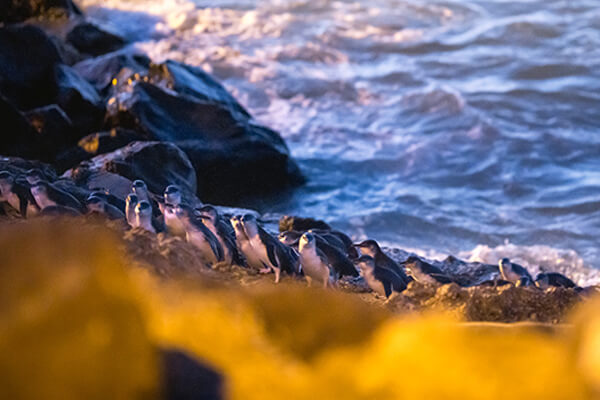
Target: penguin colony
[{"x": 321, "y": 256}]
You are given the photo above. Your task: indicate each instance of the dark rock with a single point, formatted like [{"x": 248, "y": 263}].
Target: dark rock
[
  {"x": 101, "y": 71},
  {"x": 27, "y": 59},
  {"x": 54, "y": 128},
  {"x": 88, "y": 38},
  {"x": 20, "y": 10},
  {"x": 158, "y": 164},
  {"x": 230, "y": 170},
  {"x": 88, "y": 176},
  {"x": 187, "y": 379},
  {"x": 96, "y": 144},
  {"x": 18, "y": 134},
  {"x": 192, "y": 81},
  {"x": 291, "y": 223},
  {"x": 79, "y": 99}
]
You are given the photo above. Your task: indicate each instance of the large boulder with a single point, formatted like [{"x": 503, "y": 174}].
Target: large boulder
[
  {"x": 101, "y": 71},
  {"x": 27, "y": 60},
  {"x": 89, "y": 38},
  {"x": 20, "y": 10},
  {"x": 158, "y": 164},
  {"x": 232, "y": 155},
  {"x": 79, "y": 99}
]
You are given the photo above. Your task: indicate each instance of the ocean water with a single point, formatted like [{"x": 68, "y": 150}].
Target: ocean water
[{"x": 442, "y": 127}]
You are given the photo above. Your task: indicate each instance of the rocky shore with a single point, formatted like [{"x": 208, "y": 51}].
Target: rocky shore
[{"x": 88, "y": 115}]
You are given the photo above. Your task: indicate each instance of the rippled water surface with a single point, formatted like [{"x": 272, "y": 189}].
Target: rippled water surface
[{"x": 469, "y": 127}]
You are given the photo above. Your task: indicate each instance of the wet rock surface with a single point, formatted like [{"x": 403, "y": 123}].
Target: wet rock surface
[{"x": 91, "y": 39}]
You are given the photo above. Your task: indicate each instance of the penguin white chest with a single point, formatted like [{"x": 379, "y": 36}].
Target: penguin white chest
[
  {"x": 199, "y": 240},
  {"x": 313, "y": 266},
  {"x": 174, "y": 224},
  {"x": 373, "y": 283},
  {"x": 509, "y": 274}
]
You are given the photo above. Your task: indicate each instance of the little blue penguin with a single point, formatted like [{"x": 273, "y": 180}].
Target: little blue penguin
[
  {"x": 424, "y": 272},
  {"x": 199, "y": 235},
  {"x": 513, "y": 272},
  {"x": 382, "y": 260},
  {"x": 139, "y": 187},
  {"x": 313, "y": 262},
  {"x": 546, "y": 280},
  {"x": 269, "y": 250},
  {"x": 46, "y": 195},
  {"x": 222, "y": 231},
  {"x": 99, "y": 205},
  {"x": 380, "y": 280},
  {"x": 143, "y": 216},
  {"x": 244, "y": 246},
  {"x": 130, "y": 203}
]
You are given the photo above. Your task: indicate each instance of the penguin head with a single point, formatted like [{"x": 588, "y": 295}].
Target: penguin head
[
  {"x": 307, "y": 240},
  {"x": 365, "y": 263},
  {"x": 210, "y": 213},
  {"x": 542, "y": 281},
  {"x": 289, "y": 238},
  {"x": 132, "y": 199},
  {"x": 139, "y": 186},
  {"x": 250, "y": 225},
  {"x": 504, "y": 263},
  {"x": 33, "y": 176},
  {"x": 368, "y": 247},
  {"x": 172, "y": 195},
  {"x": 95, "y": 203},
  {"x": 411, "y": 263},
  {"x": 143, "y": 208},
  {"x": 237, "y": 224}
]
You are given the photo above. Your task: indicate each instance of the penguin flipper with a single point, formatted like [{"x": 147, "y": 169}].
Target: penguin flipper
[
  {"x": 271, "y": 254},
  {"x": 387, "y": 287}
]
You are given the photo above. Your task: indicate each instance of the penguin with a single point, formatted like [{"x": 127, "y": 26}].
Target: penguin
[
  {"x": 424, "y": 272},
  {"x": 371, "y": 248},
  {"x": 109, "y": 198},
  {"x": 143, "y": 216},
  {"x": 130, "y": 203},
  {"x": 46, "y": 195},
  {"x": 172, "y": 222},
  {"x": 290, "y": 238},
  {"x": 222, "y": 231},
  {"x": 335, "y": 238},
  {"x": 141, "y": 190},
  {"x": 315, "y": 264},
  {"x": 99, "y": 205},
  {"x": 546, "y": 280},
  {"x": 244, "y": 246},
  {"x": 512, "y": 272},
  {"x": 336, "y": 254},
  {"x": 18, "y": 195},
  {"x": 199, "y": 235},
  {"x": 172, "y": 195},
  {"x": 270, "y": 251},
  {"x": 382, "y": 281}
]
